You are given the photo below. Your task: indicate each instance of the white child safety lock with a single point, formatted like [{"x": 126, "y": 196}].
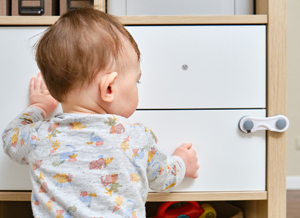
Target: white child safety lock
[{"x": 278, "y": 123}]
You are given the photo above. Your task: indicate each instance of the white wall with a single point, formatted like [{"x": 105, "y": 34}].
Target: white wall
[{"x": 293, "y": 86}]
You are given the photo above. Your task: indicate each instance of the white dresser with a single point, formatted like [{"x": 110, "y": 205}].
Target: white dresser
[{"x": 197, "y": 83}]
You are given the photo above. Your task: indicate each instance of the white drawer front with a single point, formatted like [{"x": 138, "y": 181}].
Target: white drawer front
[
  {"x": 229, "y": 159},
  {"x": 17, "y": 61},
  {"x": 17, "y": 67},
  {"x": 226, "y": 66}
]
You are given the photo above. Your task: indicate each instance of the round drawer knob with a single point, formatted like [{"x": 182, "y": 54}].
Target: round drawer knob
[{"x": 185, "y": 67}]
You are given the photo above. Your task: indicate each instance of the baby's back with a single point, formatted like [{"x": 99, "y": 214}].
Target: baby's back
[{"x": 89, "y": 164}]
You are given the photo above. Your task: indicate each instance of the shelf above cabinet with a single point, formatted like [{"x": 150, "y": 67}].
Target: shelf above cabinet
[
  {"x": 161, "y": 197},
  {"x": 27, "y": 20},
  {"x": 200, "y": 19},
  {"x": 145, "y": 20}
]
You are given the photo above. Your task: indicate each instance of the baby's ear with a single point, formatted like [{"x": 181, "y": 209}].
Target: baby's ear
[{"x": 106, "y": 86}]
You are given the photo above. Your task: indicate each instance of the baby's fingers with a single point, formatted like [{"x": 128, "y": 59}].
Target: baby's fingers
[
  {"x": 32, "y": 84},
  {"x": 186, "y": 145},
  {"x": 193, "y": 151},
  {"x": 195, "y": 176},
  {"x": 38, "y": 83}
]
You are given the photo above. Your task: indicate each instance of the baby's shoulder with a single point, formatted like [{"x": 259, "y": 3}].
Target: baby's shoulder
[
  {"x": 140, "y": 129},
  {"x": 134, "y": 127}
]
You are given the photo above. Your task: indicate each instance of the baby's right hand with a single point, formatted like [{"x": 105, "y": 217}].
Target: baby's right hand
[{"x": 188, "y": 155}]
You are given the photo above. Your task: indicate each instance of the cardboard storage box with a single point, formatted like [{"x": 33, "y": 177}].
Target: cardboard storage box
[
  {"x": 66, "y": 5},
  {"x": 4, "y": 7},
  {"x": 34, "y": 7}
]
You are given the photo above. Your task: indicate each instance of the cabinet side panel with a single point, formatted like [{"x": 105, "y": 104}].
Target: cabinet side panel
[{"x": 276, "y": 104}]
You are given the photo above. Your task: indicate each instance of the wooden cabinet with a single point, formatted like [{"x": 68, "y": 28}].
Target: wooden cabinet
[{"x": 258, "y": 202}]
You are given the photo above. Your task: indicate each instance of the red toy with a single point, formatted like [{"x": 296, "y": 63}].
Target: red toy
[{"x": 191, "y": 210}]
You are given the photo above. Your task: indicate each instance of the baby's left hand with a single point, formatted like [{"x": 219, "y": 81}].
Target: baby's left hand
[{"x": 40, "y": 96}]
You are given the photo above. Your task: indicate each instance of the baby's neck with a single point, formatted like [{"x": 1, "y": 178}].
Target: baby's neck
[
  {"x": 77, "y": 109},
  {"x": 82, "y": 102}
]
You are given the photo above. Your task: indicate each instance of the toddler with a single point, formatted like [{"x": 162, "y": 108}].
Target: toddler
[{"x": 90, "y": 161}]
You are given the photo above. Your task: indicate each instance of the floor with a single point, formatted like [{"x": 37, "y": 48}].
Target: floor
[{"x": 293, "y": 204}]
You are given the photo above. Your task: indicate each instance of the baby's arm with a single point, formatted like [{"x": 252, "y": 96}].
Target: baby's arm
[
  {"x": 20, "y": 134},
  {"x": 165, "y": 171}
]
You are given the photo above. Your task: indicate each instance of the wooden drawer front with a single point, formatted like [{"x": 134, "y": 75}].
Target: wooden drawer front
[
  {"x": 229, "y": 159},
  {"x": 226, "y": 66}
]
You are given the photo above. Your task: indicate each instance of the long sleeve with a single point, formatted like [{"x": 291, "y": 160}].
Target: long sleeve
[
  {"x": 20, "y": 135},
  {"x": 164, "y": 172}
]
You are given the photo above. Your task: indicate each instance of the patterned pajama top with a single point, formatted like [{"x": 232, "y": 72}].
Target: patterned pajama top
[{"x": 90, "y": 165}]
